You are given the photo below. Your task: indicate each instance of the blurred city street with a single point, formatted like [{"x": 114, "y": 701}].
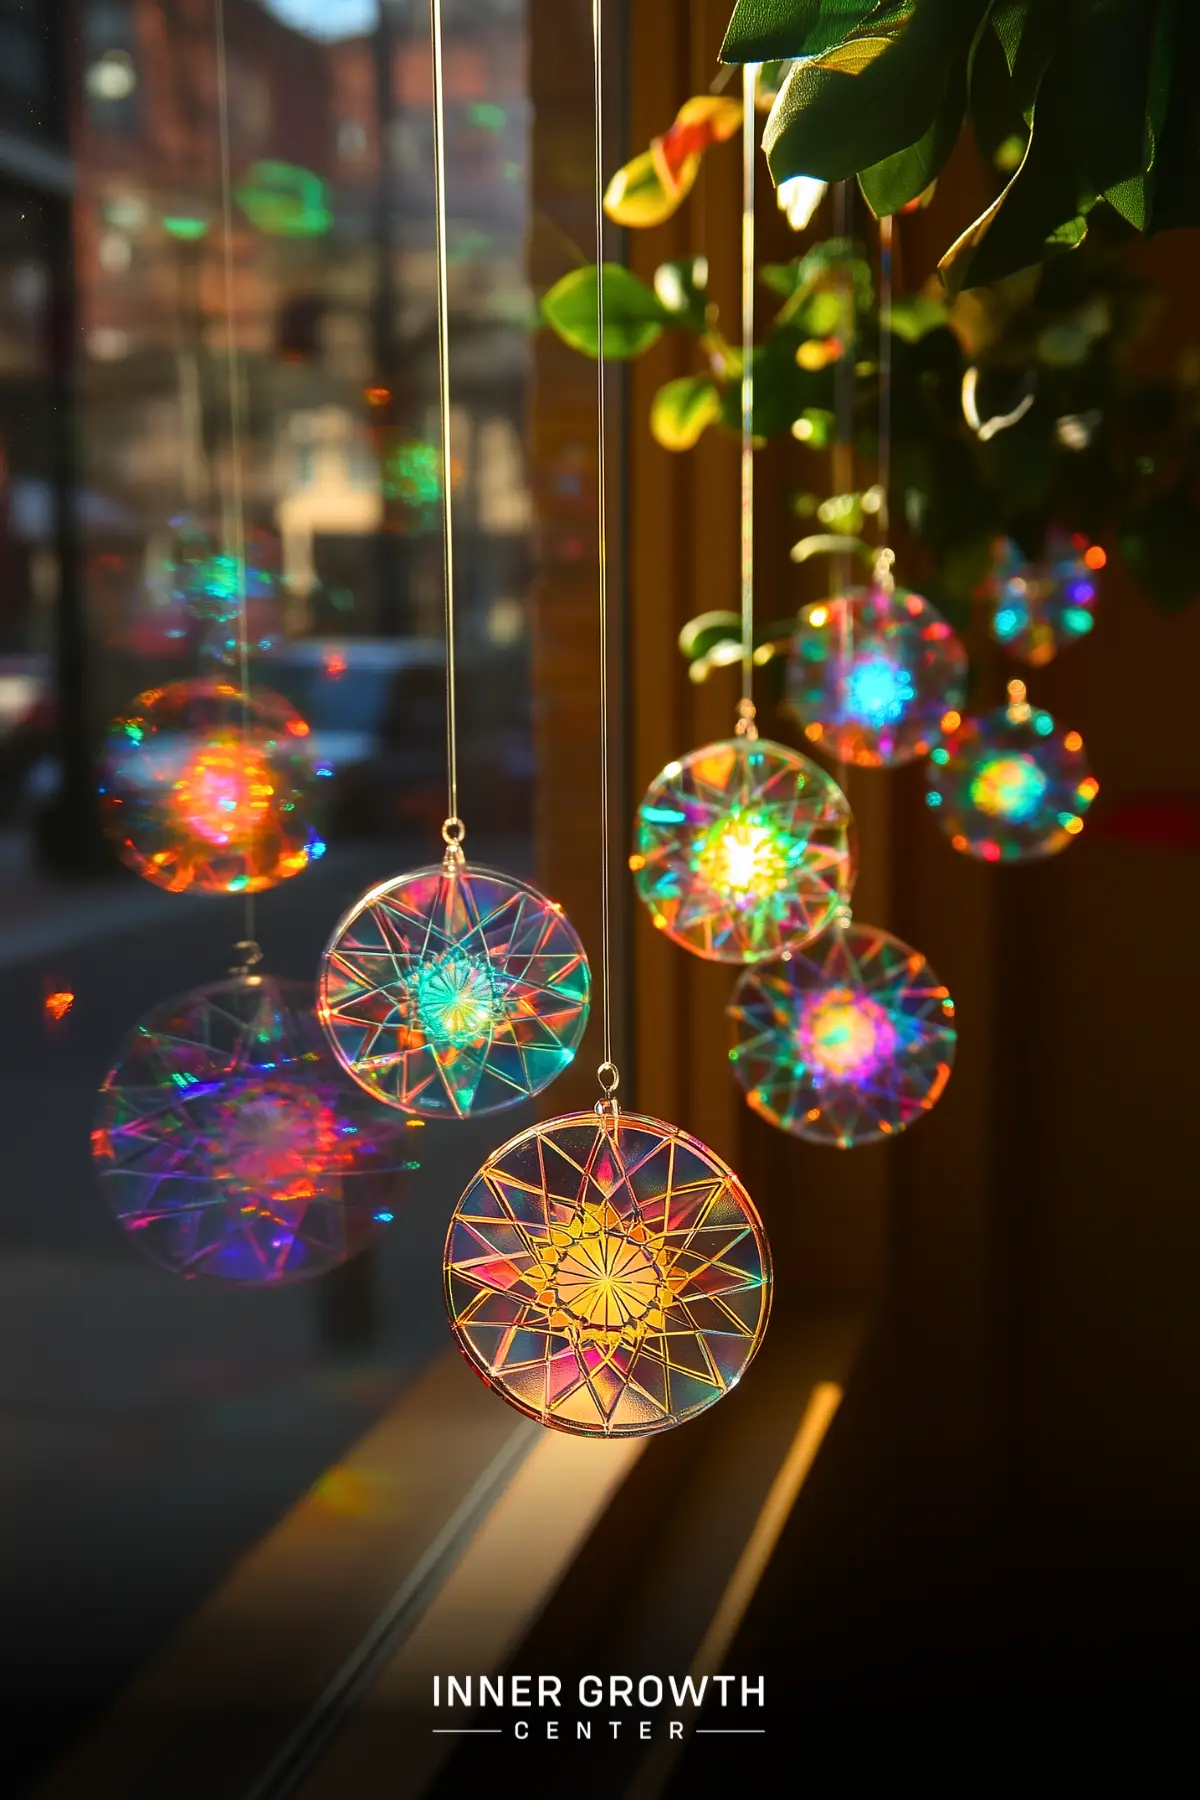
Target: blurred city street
[{"x": 152, "y": 1430}]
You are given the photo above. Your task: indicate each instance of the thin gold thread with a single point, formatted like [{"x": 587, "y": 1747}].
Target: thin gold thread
[
  {"x": 234, "y": 522},
  {"x": 749, "y": 151},
  {"x": 443, "y": 332},
  {"x": 886, "y": 288},
  {"x": 843, "y": 461},
  {"x": 602, "y": 554}
]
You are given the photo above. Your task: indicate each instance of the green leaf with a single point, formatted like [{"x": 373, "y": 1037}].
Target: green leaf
[
  {"x": 891, "y": 184},
  {"x": 634, "y": 317},
  {"x": 1041, "y": 213},
  {"x": 998, "y": 120},
  {"x": 682, "y": 288},
  {"x": 683, "y": 410},
  {"x": 1131, "y": 199},
  {"x": 1009, "y": 21},
  {"x": 782, "y": 390},
  {"x": 700, "y": 634},
  {"x": 1028, "y": 32},
  {"x": 706, "y": 630},
  {"x": 762, "y": 30},
  {"x": 823, "y": 314},
  {"x": 814, "y": 429},
  {"x": 873, "y": 94},
  {"x": 1176, "y": 199},
  {"x": 714, "y": 641},
  {"x": 831, "y": 543},
  {"x": 637, "y": 195},
  {"x": 915, "y": 317},
  {"x": 824, "y": 270},
  {"x": 1161, "y": 59},
  {"x": 1110, "y": 52}
]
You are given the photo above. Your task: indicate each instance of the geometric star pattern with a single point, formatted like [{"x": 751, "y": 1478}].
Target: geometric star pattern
[
  {"x": 845, "y": 1043},
  {"x": 231, "y": 1146},
  {"x": 1010, "y": 786},
  {"x": 744, "y": 849},
  {"x": 607, "y": 1275},
  {"x": 872, "y": 673},
  {"x": 454, "y": 991}
]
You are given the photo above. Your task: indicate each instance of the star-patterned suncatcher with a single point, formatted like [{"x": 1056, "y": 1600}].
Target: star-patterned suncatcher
[
  {"x": 454, "y": 990},
  {"x": 744, "y": 850},
  {"x": 845, "y": 1043},
  {"x": 232, "y": 1148},
  {"x": 607, "y": 1274}
]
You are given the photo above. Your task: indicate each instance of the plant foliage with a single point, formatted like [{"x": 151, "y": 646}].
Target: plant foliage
[
  {"x": 1087, "y": 105},
  {"x": 1016, "y": 407}
]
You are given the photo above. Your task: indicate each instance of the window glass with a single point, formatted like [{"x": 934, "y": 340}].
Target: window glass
[{"x": 158, "y": 1427}]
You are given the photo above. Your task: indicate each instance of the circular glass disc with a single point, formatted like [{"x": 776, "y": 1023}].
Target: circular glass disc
[
  {"x": 1010, "y": 786},
  {"x": 872, "y": 674},
  {"x": 846, "y": 1042},
  {"x": 231, "y": 1145},
  {"x": 1041, "y": 608},
  {"x": 202, "y": 793},
  {"x": 610, "y": 1279},
  {"x": 448, "y": 993},
  {"x": 743, "y": 849}
]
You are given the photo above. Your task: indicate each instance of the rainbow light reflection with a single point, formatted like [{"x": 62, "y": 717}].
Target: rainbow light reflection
[
  {"x": 607, "y": 1277},
  {"x": 745, "y": 856},
  {"x": 847, "y": 1042},
  {"x": 871, "y": 673},
  {"x": 879, "y": 691},
  {"x": 845, "y": 1035},
  {"x": 458, "y": 998},
  {"x": 743, "y": 849},
  {"x": 1043, "y": 607},
  {"x": 231, "y": 1147},
  {"x": 201, "y": 792},
  {"x": 224, "y": 794},
  {"x": 448, "y": 993},
  {"x": 1008, "y": 787}
]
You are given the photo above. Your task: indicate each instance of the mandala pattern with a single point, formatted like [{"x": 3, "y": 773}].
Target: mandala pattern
[
  {"x": 231, "y": 1146},
  {"x": 200, "y": 792},
  {"x": 872, "y": 674},
  {"x": 1041, "y": 608},
  {"x": 609, "y": 1277},
  {"x": 744, "y": 849},
  {"x": 1011, "y": 786},
  {"x": 450, "y": 992},
  {"x": 847, "y": 1043}
]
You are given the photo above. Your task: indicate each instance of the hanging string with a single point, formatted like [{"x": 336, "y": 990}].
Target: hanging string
[
  {"x": 453, "y": 830},
  {"x": 886, "y": 289},
  {"x": 746, "y": 710},
  {"x": 234, "y": 508},
  {"x": 607, "y": 1074},
  {"x": 843, "y": 460}
]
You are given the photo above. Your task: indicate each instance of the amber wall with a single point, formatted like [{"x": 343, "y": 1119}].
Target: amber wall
[{"x": 1024, "y": 1432}]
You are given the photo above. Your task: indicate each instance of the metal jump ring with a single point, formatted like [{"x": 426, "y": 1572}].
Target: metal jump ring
[{"x": 251, "y": 956}]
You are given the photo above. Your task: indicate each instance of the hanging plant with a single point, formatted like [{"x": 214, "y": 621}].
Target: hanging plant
[
  {"x": 1017, "y": 408},
  {"x": 1086, "y": 105}
]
